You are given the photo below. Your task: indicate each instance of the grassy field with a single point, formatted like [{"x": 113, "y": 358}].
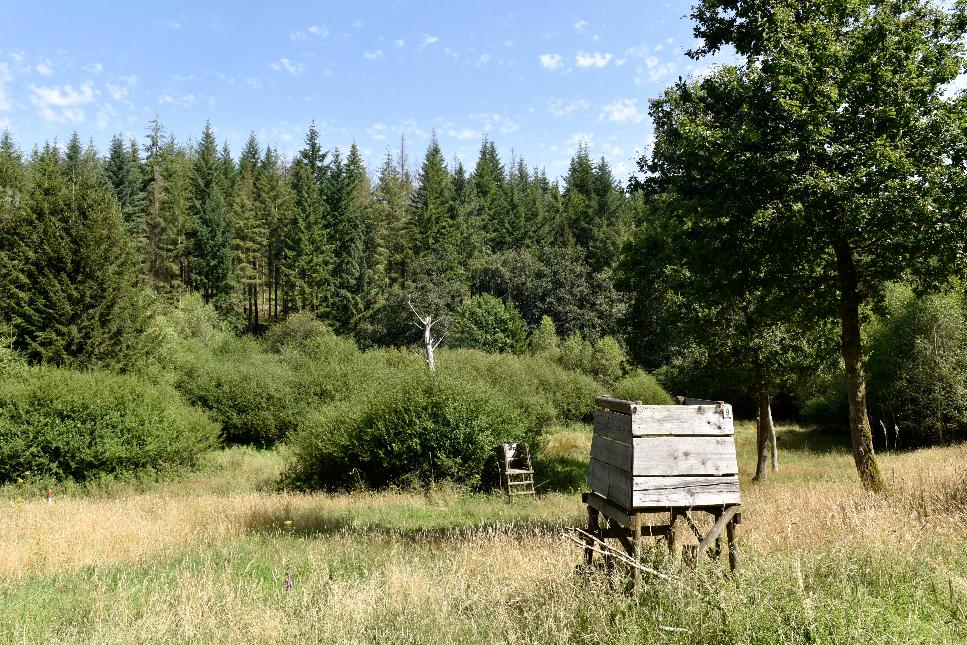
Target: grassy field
[{"x": 204, "y": 559}]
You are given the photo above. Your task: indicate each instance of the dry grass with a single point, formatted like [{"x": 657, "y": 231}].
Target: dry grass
[{"x": 203, "y": 560}]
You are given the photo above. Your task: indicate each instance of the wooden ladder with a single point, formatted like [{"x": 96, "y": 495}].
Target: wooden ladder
[{"x": 516, "y": 470}]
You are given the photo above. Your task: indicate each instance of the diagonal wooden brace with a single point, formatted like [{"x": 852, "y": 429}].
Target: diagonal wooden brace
[{"x": 715, "y": 531}]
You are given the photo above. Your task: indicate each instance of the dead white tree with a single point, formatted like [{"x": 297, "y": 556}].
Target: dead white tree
[{"x": 426, "y": 324}]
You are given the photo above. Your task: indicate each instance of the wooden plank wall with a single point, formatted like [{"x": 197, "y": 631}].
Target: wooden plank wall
[{"x": 660, "y": 456}]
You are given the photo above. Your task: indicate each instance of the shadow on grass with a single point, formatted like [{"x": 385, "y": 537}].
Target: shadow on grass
[
  {"x": 814, "y": 439},
  {"x": 560, "y": 474}
]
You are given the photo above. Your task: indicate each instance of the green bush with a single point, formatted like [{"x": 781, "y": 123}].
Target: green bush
[
  {"x": 64, "y": 424},
  {"x": 545, "y": 392},
  {"x": 603, "y": 360},
  {"x": 298, "y": 331},
  {"x": 256, "y": 396},
  {"x": 917, "y": 370},
  {"x": 486, "y": 323},
  {"x": 641, "y": 386},
  {"x": 419, "y": 430}
]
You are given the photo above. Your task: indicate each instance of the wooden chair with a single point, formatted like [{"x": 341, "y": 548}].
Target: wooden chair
[{"x": 516, "y": 470}]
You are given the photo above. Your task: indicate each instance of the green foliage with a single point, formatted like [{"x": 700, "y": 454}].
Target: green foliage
[
  {"x": 255, "y": 396},
  {"x": 918, "y": 369},
  {"x": 544, "y": 391},
  {"x": 544, "y": 340},
  {"x": 639, "y": 385},
  {"x": 424, "y": 430},
  {"x": 603, "y": 360},
  {"x": 300, "y": 331},
  {"x": 485, "y": 323},
  {"x": 71, "y": 280},
  {"x": 64, "y": 424}
]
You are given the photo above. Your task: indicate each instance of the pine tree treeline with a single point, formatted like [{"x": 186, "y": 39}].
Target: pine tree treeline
[{"x": 265, "y": 238}]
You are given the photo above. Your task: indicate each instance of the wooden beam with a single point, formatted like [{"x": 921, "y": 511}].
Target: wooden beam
[
  {"x": 687, "y": 492},
  {"x": 618, "y": 405},
  {"x": 608, "y": 508},
  {"x": 724, "y": 519}
]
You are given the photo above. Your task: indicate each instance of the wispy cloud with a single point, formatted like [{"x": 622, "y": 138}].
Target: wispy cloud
[
  {"x": 117, "y": 92},
  {"x": 170, "y": 23},
  {"x": 61, "y": 103},
  {"x": 5, "y": 77},
  {"x": 581, "y": 26},
  {"x": 653, "y": 70},
  {"x": 464, "y": 134},
  {"x": 292, "y": 67},
  {"x": 551, "y": 62},
  {"x": 183, "y": 100},
  {"x": 597, "y": 59},
  {"x": 93, "y": 68},
  {"x": 254, "y": 82},
  {"x": 559, "y": 108},
  {"x": 399, "y": 42},
  {"x": 377, "y": 131},
  {"x": 580, "y": 139},
  {"x": 373, "y": 55},
  {"x": 45, "y": 68},
  {"x": 428, "y": 40},
  {"x": 621, "y": 111},
  {"x": 313, "y": 31}
]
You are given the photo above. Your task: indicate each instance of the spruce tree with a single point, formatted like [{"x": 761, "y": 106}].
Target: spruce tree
[
  {"x": 348, "y": 215},
  {"x": 123, "y": 170},
  {"x": 432, "y": 207},
  {"x": 210, "y": 263},
  {"x": 73, "y": 291}
]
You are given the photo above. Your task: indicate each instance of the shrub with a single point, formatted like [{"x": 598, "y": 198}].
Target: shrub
[
  {"x": 486, "y": 323},
  {"x": 255, "y": 396},
  {"x": 603, "y": 360},
  {"x": 300, "y": 330},
  {"x": 421, "y": 430},
  {"x": 545, "y": 392},
  {"x": 641, "y": 386},
  {"x": 81, "y": 425},
  {"x": 544, "y": 338},
  {"x": 918, "y": 369}
]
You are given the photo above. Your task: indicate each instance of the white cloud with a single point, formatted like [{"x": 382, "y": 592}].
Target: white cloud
[
  {"x": 580, "y": 139},
  {"x": 399, "y": 42},
  {"x": 93, "y": 68},
  {"x": 292, "y": 67},
  {"x": 653, "y": 70},
  {"x": 551, "y": 61},
  {"x": 377, "y": 131},
  {"x": 357, "y": 24},
  {"x": 5, "y": 76},
  {"x": 559, "y": 108},
  {"x": 184, "y": 100},
  {"x": 483, "y": 60},
  {"x": 313, "y": 31},
  {"x": 428, "y": 40},
  {"x": 254, "y": 82},
  {"x": 373, "y": 55},
  {"x": 117, "y": 92},
  {"x": 638, "y": 51},
  {"x": 171, "y": 24},
  {"x": 622, "y": 110},
  {"x": 106, "y": 115},
  {"x": 581, "y": 26},
  {"x": 45, "y": 68},
  {"x": 61, "y": 103},
  {"x": 597, "y": 59},
  {"x": 491, "y": 122},
  {"x": 464, "y": 134}
]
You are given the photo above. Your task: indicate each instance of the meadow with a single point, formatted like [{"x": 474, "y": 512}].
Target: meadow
[{"x": 204, "y": 558}]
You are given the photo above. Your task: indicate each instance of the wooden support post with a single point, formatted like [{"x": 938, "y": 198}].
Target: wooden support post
[
  {"x": 594, "y": 528},
  {"x": 636, "y": 547},
  {"x": 733, "y": 547},
  {"x": 724, "y": 520},
  {"x": 674, "y": 549}
]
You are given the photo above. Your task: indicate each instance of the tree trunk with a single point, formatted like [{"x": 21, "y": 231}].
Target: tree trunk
[
  {"x": 762, "y": 436},
  {"x": 859, "y": 423},
  {"x": 774, "y": 448},
  {"x": 428, "y": 342}
]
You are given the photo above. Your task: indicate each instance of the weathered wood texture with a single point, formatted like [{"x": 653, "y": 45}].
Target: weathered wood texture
[
  {"x": 631, "y": 492},
  {"x": 661, "y": 456},
  {"x": 658, "y": 456},
  {"x": 673, "y": 420}
]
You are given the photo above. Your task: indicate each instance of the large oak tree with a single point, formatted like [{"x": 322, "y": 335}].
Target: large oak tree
[{"x": 827, "y": 163}]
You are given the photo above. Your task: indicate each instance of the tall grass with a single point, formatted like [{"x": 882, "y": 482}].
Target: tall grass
[{"x": 821, "y": 562}]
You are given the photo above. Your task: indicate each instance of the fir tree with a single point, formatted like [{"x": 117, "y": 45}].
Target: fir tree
[
  {"x": 210, "y": 265},
  {"x": 73, "y": 292},
  {"x": 123, "y": 170}
]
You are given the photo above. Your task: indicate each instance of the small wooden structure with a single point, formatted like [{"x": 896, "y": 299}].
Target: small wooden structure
[
  {"x": 516, "y": 470},
  {"x": 670, "y": 460}
]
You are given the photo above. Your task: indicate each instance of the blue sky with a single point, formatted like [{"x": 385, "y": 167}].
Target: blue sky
[{"x": 538, "y": 78}]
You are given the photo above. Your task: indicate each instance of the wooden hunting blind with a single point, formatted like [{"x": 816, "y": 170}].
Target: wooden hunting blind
[{"x": 662, "y": 459}]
